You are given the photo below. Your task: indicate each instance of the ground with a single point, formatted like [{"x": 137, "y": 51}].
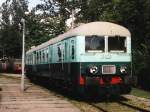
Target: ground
[{"x": 34, "y": 99}]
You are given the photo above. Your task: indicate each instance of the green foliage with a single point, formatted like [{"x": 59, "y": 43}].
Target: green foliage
[
  {"x": 140, "y": 93},
  {"x": 46, "y": 25},
  {"x": 133, "y": 14},
  {"x": 10, "y": 39}
]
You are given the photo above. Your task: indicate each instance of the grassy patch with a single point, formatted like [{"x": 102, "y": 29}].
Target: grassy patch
[{"x": 140, "y": 93}]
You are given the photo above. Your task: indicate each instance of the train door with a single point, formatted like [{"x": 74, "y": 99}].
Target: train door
[
  {"x": 46, "y": 55},
  {"x": 34, "y": 58},
  {"x": 67, "y": 56},
  {"x": 34, "y": 61},
  {"x": 61, "y": 54},
  {"x": 66, "y": 52},
  {"x": 73, "y": 65},
  {"x": 50, "y": 53},
  {"x": 72, "y": 50},
  {"x": 71, "y": 54}
]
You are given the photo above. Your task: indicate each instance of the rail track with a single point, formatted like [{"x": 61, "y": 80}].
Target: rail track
[
  {"x": 113, "y": 104},
  {"x": 126, "y": 103},
  {"x": 119, "y": 106}
]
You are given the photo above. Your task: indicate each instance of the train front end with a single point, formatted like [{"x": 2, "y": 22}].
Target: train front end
[{"x": 105, "y": 64}]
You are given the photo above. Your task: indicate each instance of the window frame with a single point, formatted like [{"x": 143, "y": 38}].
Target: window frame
[
  {"x": 106, "y": 45},
  {"x": 124, "y": 45},
  {"x": 101, "y": 51}
]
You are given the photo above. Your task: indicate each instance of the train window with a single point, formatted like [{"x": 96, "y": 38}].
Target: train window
[
  {"x": 59, "y": 53},
  {"x": 34, "y": 57},
  {"x": 28, "y": 59},
  {"x": 47, "y": 54},
  {"x": 72, "y": 49},
  {"x": 31, "y": 59},
  {"x": 50, "y": 54},
  {"x": 72, "y": 52},
  {"x": 94, "y": 43},
  {"x": 37, "y": 56},
  {"x": 40, "y": 56},
  {"x": 117, "y": 44},
  {"x": 63, "y": 53},
  {"x": 43, "y": 56},
  {"x": 66, "y": 46}
]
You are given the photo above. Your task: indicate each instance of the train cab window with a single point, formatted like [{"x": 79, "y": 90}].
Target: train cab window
[
  {"x": 94, "y": 43},
  {"x": 117, "y": 44}
]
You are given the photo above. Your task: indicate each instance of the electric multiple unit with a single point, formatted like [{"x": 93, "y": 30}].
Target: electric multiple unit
[{"x": 96, "y": 55}]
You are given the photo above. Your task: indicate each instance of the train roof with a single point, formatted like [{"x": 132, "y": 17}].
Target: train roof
[{"x": 93, "y": 28}]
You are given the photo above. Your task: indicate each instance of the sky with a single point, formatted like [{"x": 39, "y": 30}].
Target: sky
[
  {"x": 32, "y": 3},
  {"x": 1, "y": 1}
]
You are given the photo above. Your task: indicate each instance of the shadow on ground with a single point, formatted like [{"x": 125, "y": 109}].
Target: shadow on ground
[{"x": 91, "y": 98}]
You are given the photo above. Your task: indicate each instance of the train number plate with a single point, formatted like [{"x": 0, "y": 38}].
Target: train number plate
[{"x": 108, "y": 69}]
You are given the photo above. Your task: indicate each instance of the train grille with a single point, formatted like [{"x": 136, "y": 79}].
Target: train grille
[{"x": 108, "y": 69}]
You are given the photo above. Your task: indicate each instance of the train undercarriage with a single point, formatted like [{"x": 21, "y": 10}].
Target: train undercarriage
[{"x": 77, "y": 79}]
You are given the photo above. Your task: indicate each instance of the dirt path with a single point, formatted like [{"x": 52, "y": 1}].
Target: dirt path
[{"x": 34, "y": 99}]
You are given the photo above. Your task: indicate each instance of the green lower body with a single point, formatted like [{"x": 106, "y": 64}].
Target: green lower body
[{"x": 77, "y": 78}]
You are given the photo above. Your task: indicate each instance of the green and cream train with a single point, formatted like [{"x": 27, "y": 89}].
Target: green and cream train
[{"x": 95, "y": 55}]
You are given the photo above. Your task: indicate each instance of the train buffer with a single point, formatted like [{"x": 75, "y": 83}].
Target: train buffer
[{"x": 34, "y": 99}]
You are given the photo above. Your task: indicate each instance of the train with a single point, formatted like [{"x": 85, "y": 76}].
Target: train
[
  {"x": 94, "y": 56},
  {"x": 10, "y": 66}
]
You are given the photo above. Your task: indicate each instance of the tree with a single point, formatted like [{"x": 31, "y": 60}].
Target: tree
[
  {"x": 11, "y": 39},
  {"x": 45, "y": 25},
  {"x": 133, "y": 14}
]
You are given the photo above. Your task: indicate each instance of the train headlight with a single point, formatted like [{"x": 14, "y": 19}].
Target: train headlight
[
  {"x": 123, "y": 69},
  {"x": 93, "y": 69}
]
